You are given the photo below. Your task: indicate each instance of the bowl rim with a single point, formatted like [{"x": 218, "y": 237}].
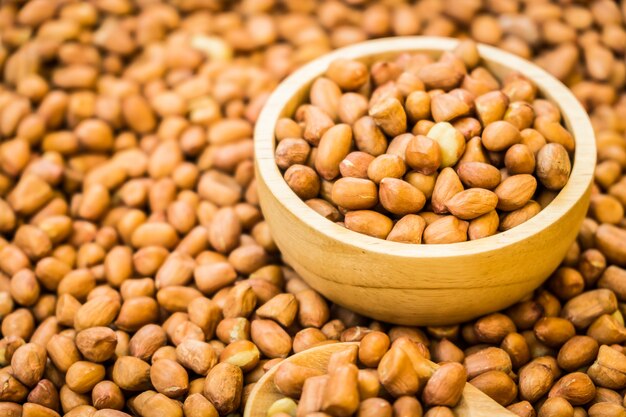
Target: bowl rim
[{"x": 572, "y": 112}]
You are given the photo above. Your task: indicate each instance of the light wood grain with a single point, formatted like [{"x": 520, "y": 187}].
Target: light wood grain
[
  {"x": 422, "y": 284},
  {"x": 473, "y": 403}
]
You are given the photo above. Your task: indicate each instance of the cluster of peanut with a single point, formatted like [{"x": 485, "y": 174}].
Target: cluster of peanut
[
  {"x": 468, "y": 167},
  {"x": 391, "y": 379},
  {"x": 128, "y": 211},
  {"x": 135, "y": 266},
  {"x": 562, "y": 359}
]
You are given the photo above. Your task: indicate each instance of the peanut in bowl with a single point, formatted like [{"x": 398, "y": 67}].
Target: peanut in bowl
[{"x": 423, "y": 284}]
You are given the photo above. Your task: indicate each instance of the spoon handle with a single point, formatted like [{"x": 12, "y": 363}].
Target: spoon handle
[{"x": 475, "y": 403}]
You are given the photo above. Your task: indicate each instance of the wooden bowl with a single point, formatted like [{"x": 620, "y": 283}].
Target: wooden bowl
[
  {"x": 474, "y": 403},
  {"x": 422, "y": 284}
]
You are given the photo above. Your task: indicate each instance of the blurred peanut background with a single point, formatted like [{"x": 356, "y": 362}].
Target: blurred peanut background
[{"x": 136, "y": 272}]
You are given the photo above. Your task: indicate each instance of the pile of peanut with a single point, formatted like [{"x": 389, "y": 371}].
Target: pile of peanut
[
  {"x": 416, "y": 149},
  {"x": 137, "y": 276},
  {"x": 397, "y": 372}
]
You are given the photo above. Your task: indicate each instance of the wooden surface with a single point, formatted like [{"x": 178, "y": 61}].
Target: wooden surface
[
  {"x": 422, "y": 284},
  {"x": 473, "y": 403}
]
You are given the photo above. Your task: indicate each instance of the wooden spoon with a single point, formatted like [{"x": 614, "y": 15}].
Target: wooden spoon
[{"x": 473, "y": 403}]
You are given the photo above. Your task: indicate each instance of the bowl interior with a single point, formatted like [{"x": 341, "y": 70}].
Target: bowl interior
[{"x": 294, "y": 91}]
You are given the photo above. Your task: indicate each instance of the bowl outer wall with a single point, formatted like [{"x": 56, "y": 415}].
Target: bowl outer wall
[{"x": 422, "y": 284}]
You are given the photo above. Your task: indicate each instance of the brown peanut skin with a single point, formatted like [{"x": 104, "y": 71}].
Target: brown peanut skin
[
  {"x": 223, "y": 387},
  {"x": 445, "y": 386},
  {"x": 341, "y": 396}
]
